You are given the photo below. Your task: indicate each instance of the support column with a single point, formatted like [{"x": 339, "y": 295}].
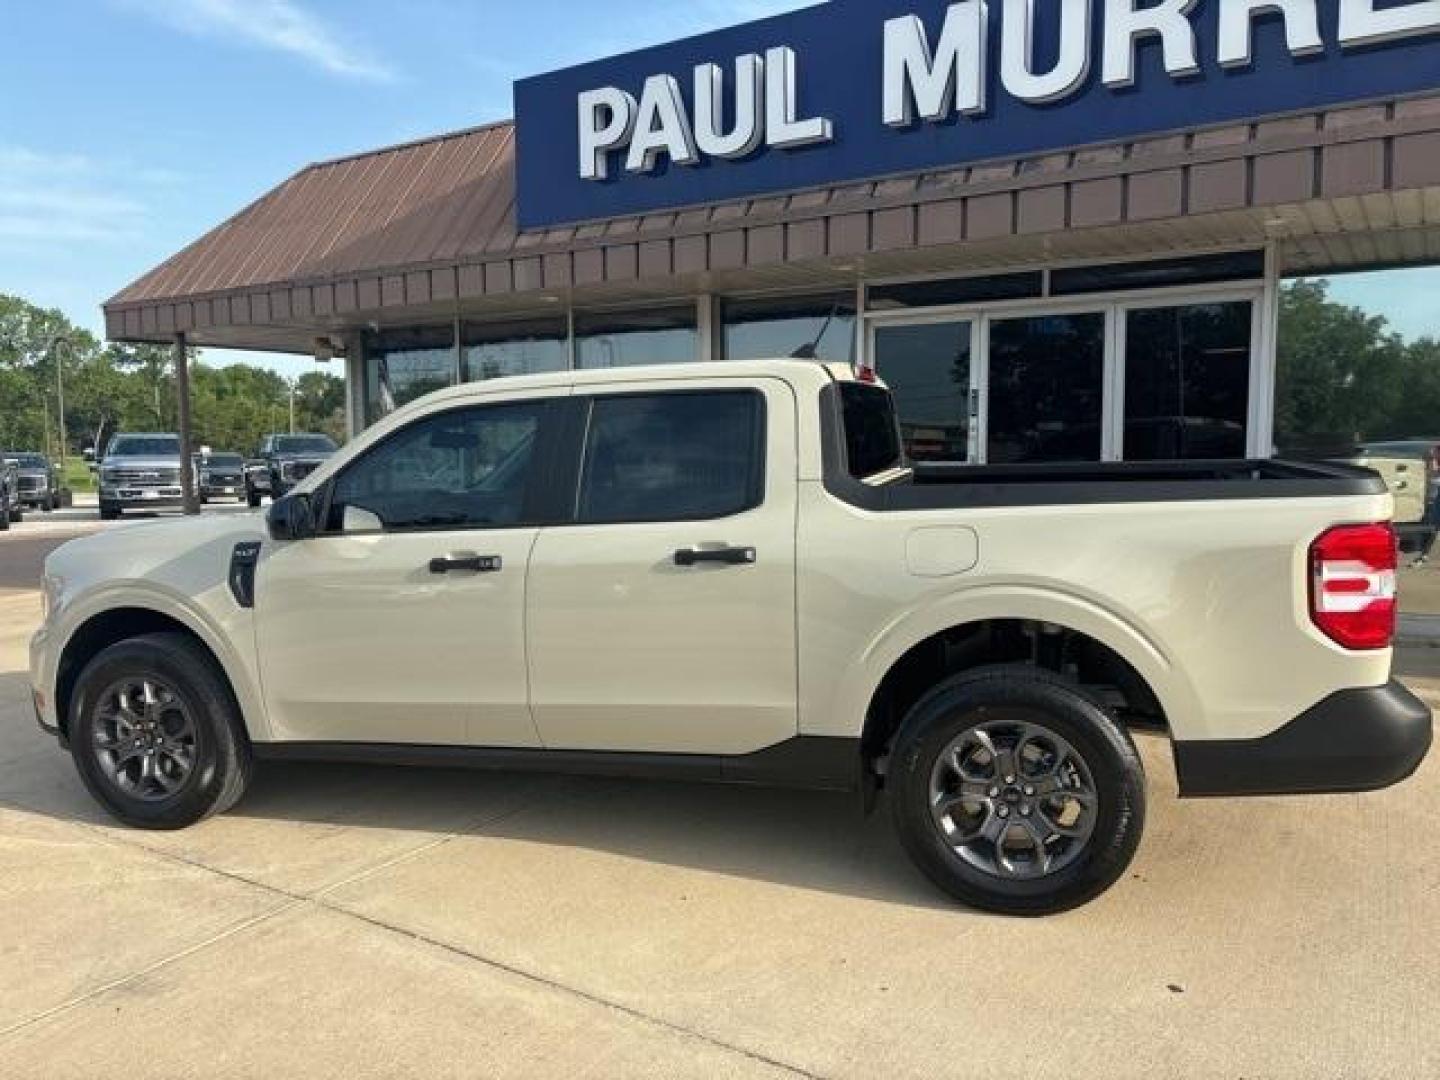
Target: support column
[
  {"x": 354, "y": 385},
  {"x": 188, "y": 501}
]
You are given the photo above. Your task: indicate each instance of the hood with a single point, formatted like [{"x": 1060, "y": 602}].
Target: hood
[{"x": 185, "y": 555}]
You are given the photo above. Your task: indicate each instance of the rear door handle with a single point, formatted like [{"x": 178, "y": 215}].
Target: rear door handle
[
  {"x": 465, "y": 560},
  {"x": 729, "y": 556}
]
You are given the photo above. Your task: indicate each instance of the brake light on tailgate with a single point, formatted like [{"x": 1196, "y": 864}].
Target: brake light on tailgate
[{"x": 1352, "y": 585}]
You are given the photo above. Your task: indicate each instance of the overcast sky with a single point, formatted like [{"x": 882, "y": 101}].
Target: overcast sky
[{"x": 130, "y": 127}]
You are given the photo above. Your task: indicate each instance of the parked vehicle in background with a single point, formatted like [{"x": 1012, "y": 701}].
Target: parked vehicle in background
[
  {"x": 38, "y": 479},
  {"x": 1420, "y": 539},
  {"x": 282, "y": 461},
  {"x": 10, "y": 509},
  {"x": 140, "y": 471},
  {"x": 220, "y": 476},
  {"x": 730, "y": 572}
]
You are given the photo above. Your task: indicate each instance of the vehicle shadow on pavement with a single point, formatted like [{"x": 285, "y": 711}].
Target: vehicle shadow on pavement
[{"x": 809, "y": 840}]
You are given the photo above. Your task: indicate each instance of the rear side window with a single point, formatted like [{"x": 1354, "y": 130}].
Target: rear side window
[
  {"x": 872, "y": 439},
  {"x": 672, "y": 457}
]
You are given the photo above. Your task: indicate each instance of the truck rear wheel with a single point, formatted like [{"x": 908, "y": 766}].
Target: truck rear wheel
[
  {"x": 1015, "y": 792},
  {"x": 156, "y": 735}
]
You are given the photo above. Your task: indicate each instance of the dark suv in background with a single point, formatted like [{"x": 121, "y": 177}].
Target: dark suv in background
[
  {"x": 219, "y": 476},
  {"x": 282, "y": 462},
  {"x": 38, "y": 481},
  {"x": 10, "y": 509}
]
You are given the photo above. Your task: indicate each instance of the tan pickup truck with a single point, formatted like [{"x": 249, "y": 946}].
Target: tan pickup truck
[{"x": 730, "y": 572}]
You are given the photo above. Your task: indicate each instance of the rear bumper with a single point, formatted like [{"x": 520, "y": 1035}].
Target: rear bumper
[{"x": 1354, "y": 740}]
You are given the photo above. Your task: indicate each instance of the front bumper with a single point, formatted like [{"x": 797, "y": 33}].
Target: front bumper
[
  {"x": 140, "y": 498},
  {"x": 1354, "y": 740}
]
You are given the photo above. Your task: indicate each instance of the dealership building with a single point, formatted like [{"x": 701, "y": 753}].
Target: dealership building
[{"x": 1056, "y": 228}]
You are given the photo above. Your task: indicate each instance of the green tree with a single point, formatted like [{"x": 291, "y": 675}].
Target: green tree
[
  {"x": 120, "y": 387},
  {"x": 1340, "y": 372}
]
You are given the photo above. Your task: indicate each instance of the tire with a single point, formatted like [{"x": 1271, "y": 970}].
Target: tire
[
  {"x": 4, "y": 516},
  {"x": 1063, "y": 724},
  {"x": 219, "y": 752},
  {"x": 109, "y": 511},
  {"x": 47, "y": 504},
  {"x": 17, "y": 512},
  {"x": 252, "y": 497}
]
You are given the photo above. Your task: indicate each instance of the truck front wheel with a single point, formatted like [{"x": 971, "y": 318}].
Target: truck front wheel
[
  {"x": 155, "y": 733},
  {"x": 1016, "y": 792}
]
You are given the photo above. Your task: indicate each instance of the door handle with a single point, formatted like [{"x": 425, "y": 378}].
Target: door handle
[
  {"x": 728, "y": 556},
  {"x": 465, "y": 560}
]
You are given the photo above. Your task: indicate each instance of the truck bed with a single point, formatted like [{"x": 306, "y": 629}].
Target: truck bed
[{"x": 939, "y": 486}]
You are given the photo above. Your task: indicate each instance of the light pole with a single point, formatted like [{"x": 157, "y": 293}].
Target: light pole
[
  {"x": 55, "y": 342},
  {"x": 290, "y": 384}
]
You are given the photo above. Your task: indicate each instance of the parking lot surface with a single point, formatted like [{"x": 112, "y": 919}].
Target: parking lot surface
[{"x": 353, "y": 921}]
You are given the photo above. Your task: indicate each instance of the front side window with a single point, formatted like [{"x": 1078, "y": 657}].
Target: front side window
[
  {"x": 466, "y": 468},
  {"x": 672, "y": 457}
]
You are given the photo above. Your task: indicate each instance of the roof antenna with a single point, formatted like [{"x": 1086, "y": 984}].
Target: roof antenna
[{"x": 809, "y": 351}]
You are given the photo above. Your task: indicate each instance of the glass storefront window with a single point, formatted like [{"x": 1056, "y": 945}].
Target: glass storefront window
[
  {"x": 927, "y": 368},
  {"x": 819, "y": 327},
  {"x": 492, "y": 350},
  {"x": 1187, "y": 381},
  {"x": 402, "y": 365},
  {"x": 628, "y": 338},
  {"x": 1047, "y": 388}
]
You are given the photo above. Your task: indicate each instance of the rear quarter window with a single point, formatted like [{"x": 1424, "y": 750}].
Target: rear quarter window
[{"x": 872, "y": 438}]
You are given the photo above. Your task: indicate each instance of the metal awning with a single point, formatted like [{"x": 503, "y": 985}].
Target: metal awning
[{"x": 428, "y": 229}]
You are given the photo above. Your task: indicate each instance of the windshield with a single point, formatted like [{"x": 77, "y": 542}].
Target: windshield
[
  {"x": 145, "y": 446},
  {"x": 26, "y": 461},
  {"x": 304, "y": 444},
  {"x": 224, "y": 460}
]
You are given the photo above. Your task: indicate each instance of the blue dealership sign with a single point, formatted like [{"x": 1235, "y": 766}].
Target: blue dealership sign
[{"x": 859, "y": 89}]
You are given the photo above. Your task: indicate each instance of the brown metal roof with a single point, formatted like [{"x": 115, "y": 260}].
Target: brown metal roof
[
  {"x": 430, "y": 225},
  {"x": 422, "y": 202}
]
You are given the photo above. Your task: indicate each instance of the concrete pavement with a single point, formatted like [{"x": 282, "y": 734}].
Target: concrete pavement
[{"x": 356, "y": 922}]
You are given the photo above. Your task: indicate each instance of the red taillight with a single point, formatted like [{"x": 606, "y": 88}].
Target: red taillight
[{"x": 1352, "y": 585}]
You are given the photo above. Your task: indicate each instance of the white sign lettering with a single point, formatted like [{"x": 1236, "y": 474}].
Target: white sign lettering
[
  {"x": 1017, "y": 40},
  {"x": 1125, "y": 24},
  {"x": 1361, "y": 23},
  {"x": 927, "y": 82},
  {"x": 950, "y": 80}
]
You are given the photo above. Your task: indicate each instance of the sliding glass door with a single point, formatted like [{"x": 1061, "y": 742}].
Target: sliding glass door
[
  {"x": 1046, "y": 388},
  {"x": 928, "y": 366},
  {"x": 1130, "y": 377}
]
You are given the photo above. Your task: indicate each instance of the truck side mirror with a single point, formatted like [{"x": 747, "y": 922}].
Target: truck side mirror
[{"x": 291, "y": 517}]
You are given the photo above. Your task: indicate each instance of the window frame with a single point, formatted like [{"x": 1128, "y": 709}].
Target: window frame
[
  {"x": 537, "y": 505},
  {"x": 584, "y": 412}
]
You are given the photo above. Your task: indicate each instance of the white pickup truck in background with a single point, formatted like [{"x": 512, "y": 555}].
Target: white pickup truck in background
[{"x": 729, "y": 572}]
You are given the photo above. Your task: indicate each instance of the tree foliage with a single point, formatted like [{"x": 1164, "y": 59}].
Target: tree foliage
[
  {"x": 1343, "y": 377},
  {"x": 113, "y": 387}
]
